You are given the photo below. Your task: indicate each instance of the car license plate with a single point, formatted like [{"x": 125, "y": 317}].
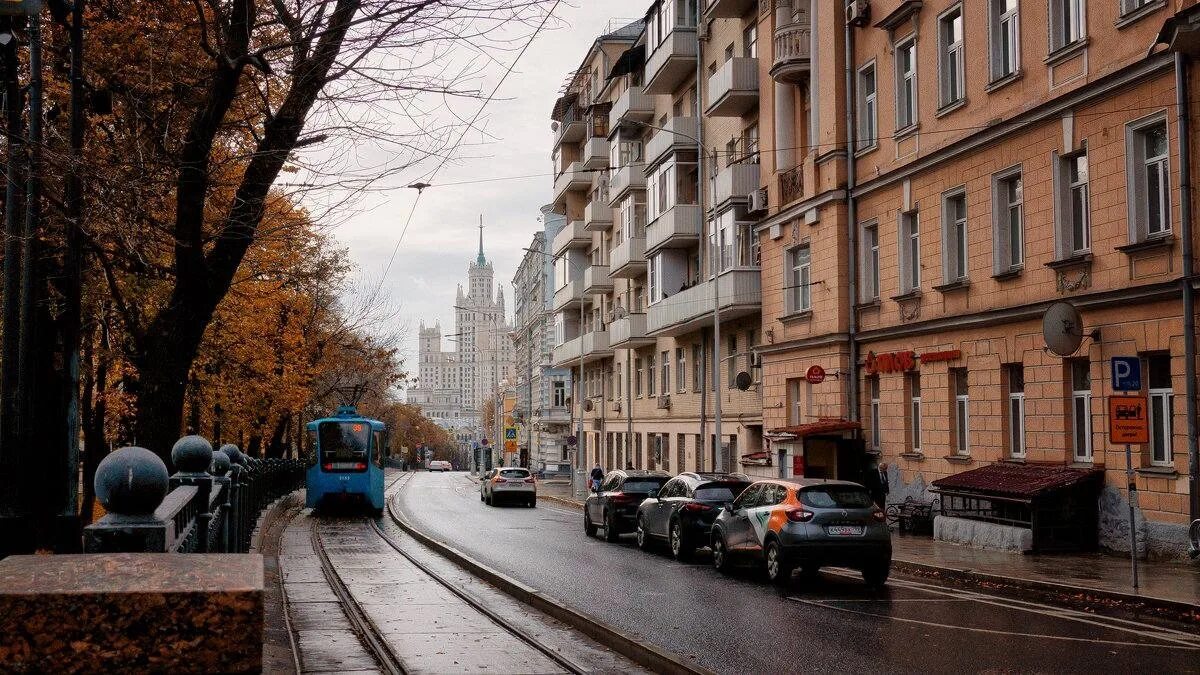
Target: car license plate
[{"x": 844, "y": 530}]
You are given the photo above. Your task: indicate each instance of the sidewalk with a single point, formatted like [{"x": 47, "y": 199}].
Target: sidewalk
[{"x": 1107, "y": 576}]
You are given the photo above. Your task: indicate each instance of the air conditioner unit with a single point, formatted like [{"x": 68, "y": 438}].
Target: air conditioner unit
[
  {"x": 757, "y": 201},
  {"x": 857, "y": 12},
  {"x": 664, "y": 402}
]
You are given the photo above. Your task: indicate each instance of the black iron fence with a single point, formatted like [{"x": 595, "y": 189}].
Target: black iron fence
[{"x": 210, "y": 505}]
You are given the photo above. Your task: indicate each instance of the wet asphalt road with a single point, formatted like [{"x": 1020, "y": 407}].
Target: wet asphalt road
[{"x": 741, "y": 624}]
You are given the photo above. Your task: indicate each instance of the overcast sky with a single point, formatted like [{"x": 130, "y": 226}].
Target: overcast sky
[{"x": 443, "y": 236}]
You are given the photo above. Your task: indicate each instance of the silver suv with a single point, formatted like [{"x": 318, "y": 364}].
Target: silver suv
[{"x": 511, "y": 483}]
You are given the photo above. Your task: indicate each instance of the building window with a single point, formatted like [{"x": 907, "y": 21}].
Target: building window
[
  {"x": 650, "y": 375},
  {"x": 1081, "y": 409},
  {"x": 868, "y": 122},
  {"x": 1073, "y": 210},
  {"x": 697, "y": 365},
  {"x": 799, "y": 293},
  {"x": 962, "y": 413},
  {"x": 1067, "y": 23},
  {"x": 1161, "y": 405},
  {"x": 914, "y": 411},
  {"x": 680, "y": 370},
  {"x": 560, "y": 394},
  {"x": 1149, "y": 179},
  {"x": 750, "y": 41},
  {"x": 873, "y": 389},
  {"x": 910, "y": 252},
  {"x": 950, "y": 56},
  {"x": 731, "y": 361},
  {"x": 665, "y": 384},
  {"x": 906, "y": 84},
  {"x": 637, "y": 376},
  {"x": 1005, "y": 38},
  {"x": 793, "y": 402},
  {"x": 870, "y": 263},
  {"x": 955, "y": 255},
  {"x": 1016, "y": 409},
  {"x": 1008, "y": 221},
  {"x": 1131, "y": 6}
]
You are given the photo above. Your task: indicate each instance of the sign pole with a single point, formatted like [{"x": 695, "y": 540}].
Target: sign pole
[
  {"x": 1129, "y": 423},
  {"x": 1133, "y": 499}
]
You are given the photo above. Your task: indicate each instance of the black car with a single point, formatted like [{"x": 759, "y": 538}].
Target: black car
[
  {"x": 683, "y": 511},
  {"x": 614, "y": 506}
]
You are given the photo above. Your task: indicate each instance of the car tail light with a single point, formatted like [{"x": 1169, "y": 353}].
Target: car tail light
[
  {"x": 360, "y": 466},
  {"x": 799, "y": 515},
  {"x": 529, "y": 480},
  {"x": 620, "y": 497},
  {"x": 497, "y": 479},
  {"x": 878, "y": 515},
  {"x": 696, "y": 507}
]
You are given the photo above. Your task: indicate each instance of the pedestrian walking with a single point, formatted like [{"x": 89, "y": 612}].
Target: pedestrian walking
[
  {"x": 876, "y": 482},
  {"x": 596, "y": 476}
]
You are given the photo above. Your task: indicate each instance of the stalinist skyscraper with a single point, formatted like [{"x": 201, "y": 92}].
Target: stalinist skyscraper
[{"x": 453, "y": 384}]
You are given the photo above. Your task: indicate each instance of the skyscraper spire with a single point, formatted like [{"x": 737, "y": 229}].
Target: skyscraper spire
[{"x": 481, "y": 259}]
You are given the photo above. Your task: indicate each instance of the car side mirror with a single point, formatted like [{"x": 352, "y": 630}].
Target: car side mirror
[{"x": 654, "y": 495}]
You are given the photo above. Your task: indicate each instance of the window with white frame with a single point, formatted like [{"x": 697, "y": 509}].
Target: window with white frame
[
  {"x": 665, "y": 383},
  {"x": 914, "y": 411},
  {"x": 1162, "y": 400},
  {"x": 731, "y": 370},
  {"x": 1008, "y": 220},
  {"x": 962, "y": 412},
  {"x": 560, "y": 394},
  {"x": 1068, "y": 23},
  {"x": 795, "y": 400},
  {"x": 697, "y": 364},
  {"x": 869, "y": 263},
  {"x": 623, "y": 153},
  {"x": 910, "y": 252},
  {"x": 1005, "y": 42},
  {"x": 868, "y": 108},
  {"x": 1081, "y": 409},
  {"x": 637, "y": 377},
  {"x": 633, "y": 216},
  {"x": 750, "y": 41},
  {"x": 876, "y": 427},
  {"x": 650, "y": 389},
  {"x": 669, "y": 185},
  {"x": 1131, "y": 6},
  {"x": 951, "y": 58},
  {"x": 906, "y": 84},
  {"x": 1148, "y": 176},
  {"x": 654, "y": 276},
  {"x": 680, "y": 370},
  {"x": 955, "y": 254},
  {"x": 1072, "y": 205},
  {"x": 1015, "y": 373},
  {"x": 799, "y": 281}
]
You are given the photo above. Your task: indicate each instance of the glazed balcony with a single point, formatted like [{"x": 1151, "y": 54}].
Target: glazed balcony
[
  {"x": 573, "y": 235},
  {"x": 629, "y": 332},
  {"x": 677, "y": 135},
  {"x": 735, "y": 182},
  {"x": 595, "y": 153},
  {"x": 793, "y": 53},
  {"x": 628, "y": 259},
  {"x": 634, "y": 106},
  {"x": 733, "y": 89},
  {"x": 569, "y": 296},
  {"x": 596, "y": 280},
  {"x": 573, "y": 179},
  {"x": 672, "y": 61},
  {"x": 728, "y": 9},
  {"x": 631, "y": 177},
  {"x": 588, "y": 348},
  {"x": 691, "y": 309},
  {"x": 597, "y": 216},
  {"x": 678, "y": 227}
]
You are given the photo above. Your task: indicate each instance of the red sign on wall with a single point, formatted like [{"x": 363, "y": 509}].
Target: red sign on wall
[
  {"x": 894, "y": 362},
  {"x": 797, "y": 466},
  {"x": 815, "y": 375}
]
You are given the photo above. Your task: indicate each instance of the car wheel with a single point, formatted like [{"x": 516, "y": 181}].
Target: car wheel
[
  {"x": 643, "y": 537},
  {"x": 875, "y": 573},
  {"x": 610, "y": 528},
  {"x": 588, "y": 526},
  {"x": 720, "y": 554},
  {"x": 681, "y": 547},
  {"x": 533, "y": 503},
  {"x": 779, "y": 571}
]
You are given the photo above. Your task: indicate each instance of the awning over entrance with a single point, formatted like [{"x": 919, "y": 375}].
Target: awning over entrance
[
  {"x": 1016, "y": 481},
  {"x": 822, "y": 427}
]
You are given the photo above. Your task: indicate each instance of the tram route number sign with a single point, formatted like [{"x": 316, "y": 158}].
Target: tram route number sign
[{"x": 1128, "y": 420}]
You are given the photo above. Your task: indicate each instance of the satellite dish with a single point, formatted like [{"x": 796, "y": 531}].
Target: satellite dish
[
  {"x": 1062, "y": 328},
  {"x": 554, "y": 126},
  {"x": 743, "y": 380},
  {"x": 587, "y": 405}
]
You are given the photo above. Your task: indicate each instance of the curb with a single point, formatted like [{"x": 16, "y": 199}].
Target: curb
[
  {"x": 562, "y": 500},
  {"x": 642, "y": 653},
  {"x": 1081, "y": 595}
]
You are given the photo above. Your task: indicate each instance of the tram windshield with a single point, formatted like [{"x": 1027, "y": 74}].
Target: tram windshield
[{"x": 344, "y": 445}]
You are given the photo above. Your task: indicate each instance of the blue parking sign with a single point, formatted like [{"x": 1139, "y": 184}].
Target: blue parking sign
[{"x": 1126, "y": 373}]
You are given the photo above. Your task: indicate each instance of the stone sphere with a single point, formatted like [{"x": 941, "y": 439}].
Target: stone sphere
[
  {"x": 235, "y": 455},
  {"x": 192, "y": 454},
  {"x": 220, "y": 463},
  {"x": 131, "y": 481}
]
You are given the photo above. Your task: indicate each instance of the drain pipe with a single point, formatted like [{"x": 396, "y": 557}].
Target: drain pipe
[
  {"x": 1182, "y": 101},
  {"x": 852, "y": 221}
]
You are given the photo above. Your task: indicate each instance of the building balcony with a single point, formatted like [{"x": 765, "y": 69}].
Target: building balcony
[
  {"x": 570, "y": 130},
  {"x": 733, "y": 89},
  {"x": 573, "y": 235},
  {"x": 573, "y": 179},
  {"x": 597, "y": 216},
  {"x": 588, "y": 348},
  {"x": 672, "y": 61},
  {"x": 595, "y": 153},
  {"x": 735, "y": 183},
  {"x": 634, "y": 106},
  {"x": 792, "y": 62},
  {"x": 628, "y": 259},
  {"x": 677, "y": 135},
  {"x": 691, "y": 309},
  {"x": 596, "y": 280},
  {"x": 677, "y": 228},
  {"x": 568, "y": 297},
  {"x": 631, "y": 177},
  {"x": 629, "y": 332},
  {"x": 728, "y": 9},
  {"x": 554, "y": 415}
]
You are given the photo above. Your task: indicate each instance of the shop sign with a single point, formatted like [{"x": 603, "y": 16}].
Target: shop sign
[
  {"x": 815, "y": 375},
  {"x": 893, "y": 362},
  {"x": 935, "y": 357}
]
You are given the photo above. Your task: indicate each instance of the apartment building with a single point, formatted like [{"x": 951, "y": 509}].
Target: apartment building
[
  {"x": 634, "y": 267},
  {"x": 542, "y": 391},
  {"x": 988, "y": 159}
]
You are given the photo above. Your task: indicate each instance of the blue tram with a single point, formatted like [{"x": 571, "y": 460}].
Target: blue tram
[{"x": 346, "y": 454}]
